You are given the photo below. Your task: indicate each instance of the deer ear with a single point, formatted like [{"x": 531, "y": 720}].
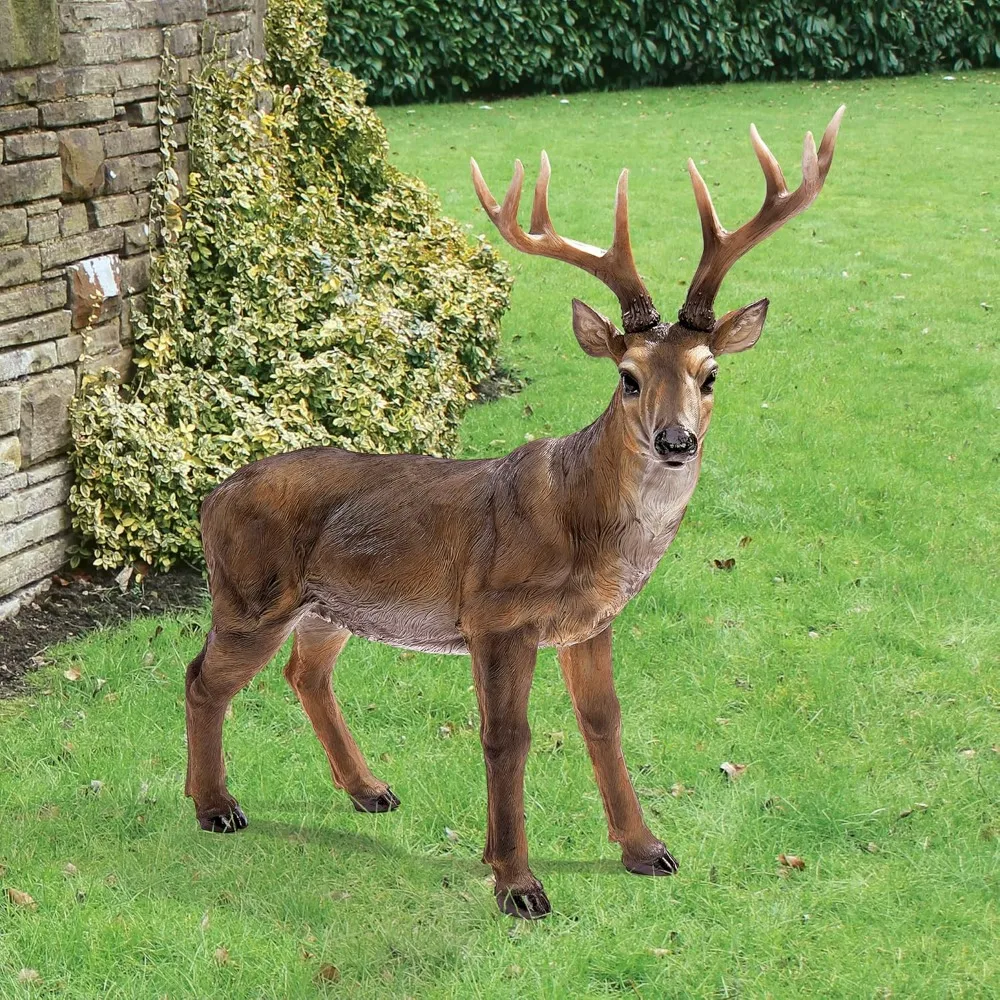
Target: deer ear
[
  {"x": 738, "y": 330},
  {"x": 597, "y": 335}
]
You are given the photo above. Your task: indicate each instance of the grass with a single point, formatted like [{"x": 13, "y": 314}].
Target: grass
[{"x": 849, "y": 658}]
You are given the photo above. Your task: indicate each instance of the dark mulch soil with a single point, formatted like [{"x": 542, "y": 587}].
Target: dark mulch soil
[{"x": 80, "y": 602}]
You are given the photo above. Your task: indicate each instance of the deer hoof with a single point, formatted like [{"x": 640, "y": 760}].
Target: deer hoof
[
  {"x": 665, "y": 864},
  {"x": 531, "y": 905},
  {"x": 230, "y": 822},
  {"x": 383, "y": 803}
]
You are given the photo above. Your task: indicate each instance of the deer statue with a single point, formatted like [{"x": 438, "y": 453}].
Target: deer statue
[{"x": 487, "y": 557}]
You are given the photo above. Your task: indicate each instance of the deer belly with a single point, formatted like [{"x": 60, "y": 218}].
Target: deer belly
[{"x": 426, "y": 630}]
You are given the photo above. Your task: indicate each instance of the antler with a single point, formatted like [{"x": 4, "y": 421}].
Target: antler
[
  {"x": 721, "y": 248},
  {"x": 615, "y": 266}
]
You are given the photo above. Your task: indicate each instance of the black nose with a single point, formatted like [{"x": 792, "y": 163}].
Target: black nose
[{"x": 675, "y": 442}]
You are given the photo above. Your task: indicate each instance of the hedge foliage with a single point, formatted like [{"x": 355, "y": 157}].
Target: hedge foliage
[
  {"x": 307, "y": 293},
  {"x": 436, "y": 50}
]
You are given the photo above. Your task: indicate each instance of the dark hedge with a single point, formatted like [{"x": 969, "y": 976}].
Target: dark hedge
[{"x": 426, "y": 50}]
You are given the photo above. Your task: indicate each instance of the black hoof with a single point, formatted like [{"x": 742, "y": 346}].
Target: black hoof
[
  {"x": 525, "y": 905},
  {"x": 665, "y": 864},
  {"x": 230, "y": 822},
  {"x": 383, "y": 803}
]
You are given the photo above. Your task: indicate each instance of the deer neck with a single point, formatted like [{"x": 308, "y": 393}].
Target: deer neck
[{"x": 610, "y": 481}]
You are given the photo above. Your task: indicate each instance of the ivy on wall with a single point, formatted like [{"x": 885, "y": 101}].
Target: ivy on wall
[
  {"x": 307, "y": 293},
  {"x": 420, "y": 50}
]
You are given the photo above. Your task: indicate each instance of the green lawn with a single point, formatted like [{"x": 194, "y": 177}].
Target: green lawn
[{"x": 849, "y": 658}]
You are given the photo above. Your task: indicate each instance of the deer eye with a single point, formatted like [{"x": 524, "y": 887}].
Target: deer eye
[
  {"x": 630, "y": 387},
  {"x": 709, "y": 383}
]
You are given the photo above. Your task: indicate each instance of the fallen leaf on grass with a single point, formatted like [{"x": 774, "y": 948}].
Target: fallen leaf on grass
[
  {"x": 73, "y": 674},
  {"x": 450, "y": 835},
  {"x": 791, "y": 861},
  {"x": 678, "y": 789},
  {"x": 726, "y": 564},
  {"x": 745, "y": 541},
  {"x": 19, "y": 898},
  {"x": 871, "y": 847},
  {"x": 732, "y": 771},
  {"x": 921, "y": 806},
  {"x": 70, "y": 868},
  {"x": 328, "y": 974},
  {"x": 29, "y": 976},
  {"x": 659, "y": 952},
  {"x": 222, "y": 956},
  {"x": 968, "y": 753}
]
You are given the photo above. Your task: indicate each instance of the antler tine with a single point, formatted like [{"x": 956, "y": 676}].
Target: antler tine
[
  {"x": 721, "y": 249},
  {"x": 615, "y": 266},
  {"x": 540, "y": 219}
]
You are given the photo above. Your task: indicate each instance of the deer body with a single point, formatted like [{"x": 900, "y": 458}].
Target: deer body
[{"x": 493, "y": 558}]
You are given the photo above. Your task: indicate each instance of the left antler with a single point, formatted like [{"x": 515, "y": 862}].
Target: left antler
[
  {"x": 721, "y": 248},
  {"x": 615, "y": 266}
]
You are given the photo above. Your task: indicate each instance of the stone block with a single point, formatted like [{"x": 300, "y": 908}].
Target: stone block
[
  {"x": 18, "y": 87},
  {"x": 69, "y": 350},
  {"x": 43, "y": 227},
  {"x": 73, "y": 219},
  {"x": 74, "y": 248},
  {"x": 28, "y": 300},
  {"x": 114, "y": 210},
  {"x": 9, "y": 483},
  {"x": 47, "y": 326},
  {"x": 92, "y": 48},
  {"x": 219, "y": 6},
  {"x": 90, "y": 16},
  {"x": 141, "y": 112},
  {"x": 45, "y": 415},
  {"x": 21, "y": 361},
  {"x": 10, "y": 410},
  {"x": 35, "y": 499},
  {"x": 32, "y": 565},
  {"x": 185, "y": 41},
  {"x": 29, "y": 181},
  {"x": 140, "y": 73},
  {"x": 18, "y": 118},
  {"x": 131, "y": 173},
  {"x": 95, "y": 290},
  {"x": 10, "y": 454},
  {"x": 102, "y": 339},
  {"x": 126, "y": 95},
  {"x": 29, "y": 33},
  {"x": 18, "y": 265},
  {"x": 42, "y": 207},
  {"x": 132, "y": 140},
  {"x": 81, "y": 152},
  {"x": 13, "y": 225},
  {"x": 10, "y": 605},
  {"x": 136, "y": 238},
  {"x": 144, "y": 43},
  {"x": 120, "y": 361},
  {"x": 33, "y": 530},
  {"x": 76, "y": 81},
  {"x": 136, "y": 274},
  {"x": 31, "y": 146},
  {"x": 77, "y": 111},
  {"x": 160, "y": 13},
  {"x": 48, "y": 470}
]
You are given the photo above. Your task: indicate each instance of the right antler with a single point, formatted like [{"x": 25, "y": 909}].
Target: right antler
[
  {"x": 615, "y": 266},
  {"x": 721, "y": 248}
]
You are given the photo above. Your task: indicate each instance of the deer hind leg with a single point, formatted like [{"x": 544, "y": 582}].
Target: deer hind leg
[
  {"x": 587, "y": 670},
  {"x": 502, "y": 668},
  {"x": 309, "y": 671},
  {"x": 227, "y": 663}
]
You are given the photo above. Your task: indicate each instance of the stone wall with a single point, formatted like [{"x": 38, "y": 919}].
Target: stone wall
[{"x": 79, "y": 147}]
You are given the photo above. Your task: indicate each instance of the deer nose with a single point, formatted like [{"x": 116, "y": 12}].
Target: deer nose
[{"x": 677, "y": 443}]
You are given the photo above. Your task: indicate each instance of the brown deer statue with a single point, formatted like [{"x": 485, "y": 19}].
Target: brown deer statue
[{"x": 487, "y": 557}]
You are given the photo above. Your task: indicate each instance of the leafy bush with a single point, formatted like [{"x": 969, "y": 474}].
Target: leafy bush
[
  {"x": 433, "y": 50},
  {"x": 307, "y": 293}
]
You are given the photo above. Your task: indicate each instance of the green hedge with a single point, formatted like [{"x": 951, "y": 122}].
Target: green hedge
[{"x": 437, "y": 50}]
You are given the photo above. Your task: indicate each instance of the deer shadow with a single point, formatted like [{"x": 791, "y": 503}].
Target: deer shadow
[{"x": 347, "y": 843}]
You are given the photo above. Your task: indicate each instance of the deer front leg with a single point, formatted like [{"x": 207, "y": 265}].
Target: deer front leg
[
  {"x": 502, "y": 668},
  {"x": 587, "y": 670}
]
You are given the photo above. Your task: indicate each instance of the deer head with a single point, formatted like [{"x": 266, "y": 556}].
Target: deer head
[{"x": 667, "y": 370}]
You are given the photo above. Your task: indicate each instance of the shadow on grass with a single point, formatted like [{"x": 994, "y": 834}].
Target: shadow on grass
[{"x": 344, "y": 842}]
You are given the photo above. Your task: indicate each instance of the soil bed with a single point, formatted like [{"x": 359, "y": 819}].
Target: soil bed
[{"x": 82, "y": 601}]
